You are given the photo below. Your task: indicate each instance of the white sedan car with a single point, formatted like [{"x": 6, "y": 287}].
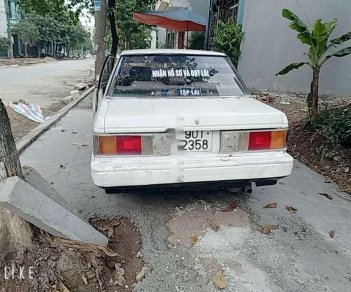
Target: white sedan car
[{"x": 175, "y": 117}]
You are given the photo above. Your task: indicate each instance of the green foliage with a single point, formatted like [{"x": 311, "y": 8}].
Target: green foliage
[
  {"x": 60, "y": 10},
  {"x": 317, "y": 39},
  {"x": 320, "y": 50},
  {"x": 291, "y": 67},
  {"x": 197, "y": 40},
  {"x": 132, "y": 35},
  {"x": 27, "y": 31},
  {"x": 334, "y": 127},
  {"x": 48, "y": 27},
  {"x": 78, "y": 37},
  {"x": 227, "y": 39},
  {"x": 38, "y": 29},
  {"x": 4, "y": 44}
]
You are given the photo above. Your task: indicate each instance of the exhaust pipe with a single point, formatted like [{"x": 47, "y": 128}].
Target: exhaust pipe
[{"x": 247, "y": 189}]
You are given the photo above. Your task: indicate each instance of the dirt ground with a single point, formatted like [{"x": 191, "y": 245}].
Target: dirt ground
[
  {"x": 62, "y": 266},
  {"x": 21, "y": 126},
  {"x": 302, "y": 143},
  {"x": 25, "y": 61}
]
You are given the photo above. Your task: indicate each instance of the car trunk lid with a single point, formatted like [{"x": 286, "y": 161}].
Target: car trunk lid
[{"x": 159, "y": 115}]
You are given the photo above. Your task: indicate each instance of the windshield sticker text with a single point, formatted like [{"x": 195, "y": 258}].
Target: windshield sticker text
[
  {"x": 160, "y": 73},
  {"x": 189, "y": 91}
]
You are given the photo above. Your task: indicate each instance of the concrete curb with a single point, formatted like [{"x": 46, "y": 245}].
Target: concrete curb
[
  {"x": 46, "y": 212},
  {"x": 28, "y": 139}
]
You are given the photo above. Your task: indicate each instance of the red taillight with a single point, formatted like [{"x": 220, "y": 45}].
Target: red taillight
[
  {"x": 128, "y": 145},
  {"x": 267, "y": 140},
  {"x": 119, "y": 145},
  {"x": 259, "y": 140}
]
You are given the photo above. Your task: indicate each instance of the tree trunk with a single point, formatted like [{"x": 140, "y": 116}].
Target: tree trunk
[
  {"x": 52, "y": 49},
  {"x": 100, "y": 32},
  {"x": 26, "y": 50},
  {"x": 314, "y": 93},
  {"x": 112, "y": 19},
  {"x": 14, "y": 231},
  {"x": 38, "y": 51},
  {"x": 126, "y": 33}
]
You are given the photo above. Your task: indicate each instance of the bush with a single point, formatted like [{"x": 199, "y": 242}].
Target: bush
[
  {"x": 4, "y": 43},
  {"x": 197, "y": 40},
  {"x": 334, "y": 128},
  {"x": 227, "y": 39}
]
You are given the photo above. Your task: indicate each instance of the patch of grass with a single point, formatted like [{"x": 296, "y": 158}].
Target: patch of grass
[{"x": 334, "y": 128}]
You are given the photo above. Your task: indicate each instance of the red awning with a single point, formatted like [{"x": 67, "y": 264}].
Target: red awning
[{"x": 167, "y": 21}]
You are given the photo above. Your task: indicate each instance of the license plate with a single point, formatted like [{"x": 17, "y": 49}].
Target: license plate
[{"x": 196, "y": 141}]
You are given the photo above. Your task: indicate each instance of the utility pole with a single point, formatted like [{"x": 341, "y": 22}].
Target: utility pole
[
  {"x": 208, "y": 27},
  {"x": 100, "y": 32},
  {"x": 9, "y": 33}
]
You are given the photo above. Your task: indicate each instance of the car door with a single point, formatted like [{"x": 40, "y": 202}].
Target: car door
[{"x": 104, "y": 77}]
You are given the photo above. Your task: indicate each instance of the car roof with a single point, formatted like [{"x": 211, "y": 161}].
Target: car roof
[{"x": 171, "y": 51}]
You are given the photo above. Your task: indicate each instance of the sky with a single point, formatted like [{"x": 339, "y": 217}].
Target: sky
[{"x": 86, "y": 18}]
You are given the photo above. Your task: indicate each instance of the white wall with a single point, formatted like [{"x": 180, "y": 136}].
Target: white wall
[
  {"x": 3, "y": 20},
  {"x": 161, "y": 36},
  {"x": 270, "y": 45},
  {"x": 153, "y": 39}
]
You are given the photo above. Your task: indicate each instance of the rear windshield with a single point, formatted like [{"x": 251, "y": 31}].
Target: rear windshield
[{"x": 183, "y": 76}]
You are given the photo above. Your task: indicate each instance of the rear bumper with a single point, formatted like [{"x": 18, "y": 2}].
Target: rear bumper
[{"x": 138, "y": 171}]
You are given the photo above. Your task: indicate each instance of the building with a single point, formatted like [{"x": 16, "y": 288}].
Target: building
[
  {"x": 3, "y": 27},
  {"x": 3, "y": 19},
  {"x": 173, "y": 39},
  {"x": 9, "y": 14}
]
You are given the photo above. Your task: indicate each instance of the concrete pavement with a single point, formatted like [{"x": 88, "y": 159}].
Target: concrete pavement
[
  {"x": 45, "y": 83},
  {"x": 297, "y": 256}
]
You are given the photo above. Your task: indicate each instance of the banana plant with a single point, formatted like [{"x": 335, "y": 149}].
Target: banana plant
[{"x": 321, "y": 49}]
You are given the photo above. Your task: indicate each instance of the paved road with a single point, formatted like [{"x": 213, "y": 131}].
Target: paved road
[
  {"x": 298, "y": 256},
  {"x": 45, "y": 83}
]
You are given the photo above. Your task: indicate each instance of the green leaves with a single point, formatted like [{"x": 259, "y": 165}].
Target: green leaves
[
  {"x": 132, "y": 35},
  {"x": 197, "y": 40},
  {"x": 340, "y": 40},
  {"x": 227, "y": 39},
  {"x": 297, "y": 24},
  {"x": 291, "y": 67},
  {"x": 342, "y": 53},
  {"x": 317, "y": 39},
  {"x": 27, "y": 31},
  {"x": 338, "y": 54},
  {"x": 4, "y": 44},
  {"x": 43, "y": 29},
  {"x": 320, "y": 35},
  {"x": 42, "y": 7}
]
